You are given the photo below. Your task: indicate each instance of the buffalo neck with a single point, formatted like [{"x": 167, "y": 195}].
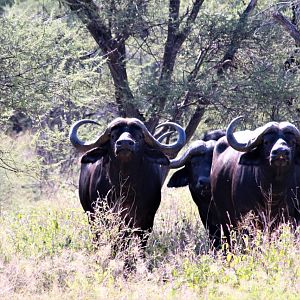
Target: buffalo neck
[
  {"x": 275, "y": 180},
  {"x": 129, "y": 173}
]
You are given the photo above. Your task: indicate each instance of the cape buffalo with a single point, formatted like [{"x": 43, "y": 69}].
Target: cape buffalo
[
  {"x": 123, "y": 166},
  {"x": 256, "y": 171},
  {"x": 213, "y": 135},
  {"x": 196, "y": 162}
]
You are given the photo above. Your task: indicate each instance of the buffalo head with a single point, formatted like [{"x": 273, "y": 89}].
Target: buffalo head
[
  {"x": 127, "y": 139},
  {"x": 274, "y": 144},
  {"x": 213, "y": 135},
  {"x": 196, "y": 161}
]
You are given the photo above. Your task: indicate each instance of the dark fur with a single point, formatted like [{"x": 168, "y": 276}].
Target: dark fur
[
  {"x": 132, "y": 181},
  {"x": 196, "y": 174},
  {"x": 249, "y": 182}
]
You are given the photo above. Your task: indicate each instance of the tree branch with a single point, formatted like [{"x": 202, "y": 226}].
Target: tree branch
[
  {"x": 194, "y": 122},
  {"x": 88, "y": 12},
  {"x": 239, "y": 34},
  {"x": 192, "y": 76},
  {"x": 288, "y": 26},
  {"x": 170, "y": 51},
  {"x": 175, "y": 39},
  {"x": 191, "y": 18}
]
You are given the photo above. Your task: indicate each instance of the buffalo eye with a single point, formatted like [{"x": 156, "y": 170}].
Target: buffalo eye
[
  {"x": 293, "y": 142},
  {"x": 140, "y": 136},
  {"x": 113, "y": 136}
]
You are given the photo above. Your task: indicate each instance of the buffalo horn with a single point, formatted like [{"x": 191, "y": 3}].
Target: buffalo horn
[
  {"x": 288, "y": 127},
  {"x": 252, "y": 142},
  {"x": 198, "y": 147},
  {"x": 168, "y": 149},
  {"x": 256, "y": 134},
  {"x": 149, "y": 139},
  {"x": 86, "y": 145},
  {"x": 165, "y": 135}
]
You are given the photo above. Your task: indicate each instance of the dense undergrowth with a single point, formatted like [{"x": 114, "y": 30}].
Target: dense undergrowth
[
  {"x": 47, "y": 249},
  {"x": 46, "y": 252}
]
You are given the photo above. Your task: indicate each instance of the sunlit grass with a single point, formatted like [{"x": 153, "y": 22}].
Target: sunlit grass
[{"x": 46, "y": 252}]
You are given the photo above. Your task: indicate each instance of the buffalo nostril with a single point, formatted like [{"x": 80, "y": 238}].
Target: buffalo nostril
[
  {"x": 203, "y": 182},
  {"x": 281, "y": 152},
  {"x": 125, "y": 143}
]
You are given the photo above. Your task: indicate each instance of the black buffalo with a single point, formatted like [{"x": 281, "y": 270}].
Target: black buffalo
[
  {"x": 213, "y": 135},
  {"x": 123, "y": 166},
  {"x": 256, "y": 171},
  {"x": 196, "y": 162}
]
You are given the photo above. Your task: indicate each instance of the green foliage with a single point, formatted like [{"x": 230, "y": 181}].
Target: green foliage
[
  {"x": 4, "y": 4},
  {"x": 19, "y": 171},
  {"x": 43, "y": 65},
  {"x": 124, "y": 16},
  {"x": 48, "y": 58},
  {"x": 40, "y": 231},
  {"x": 257, "y": 84},
  {"x": 49, "y": 76}
]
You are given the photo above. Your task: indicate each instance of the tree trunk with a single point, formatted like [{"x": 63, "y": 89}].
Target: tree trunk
[
  {"x": 288, "y": 26},
  {"x": 114, "y": 50}
]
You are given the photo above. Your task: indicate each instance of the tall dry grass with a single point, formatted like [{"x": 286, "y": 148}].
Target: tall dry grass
[{"x": 47, "y": 252}]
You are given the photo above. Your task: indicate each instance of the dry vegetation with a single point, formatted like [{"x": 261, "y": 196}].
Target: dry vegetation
[
  {"x": 46, "y": 252},
  {"x": 50, "y": 72}
]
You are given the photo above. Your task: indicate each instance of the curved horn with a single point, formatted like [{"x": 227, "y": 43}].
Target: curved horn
[
  {"x": 165, "y": 135},
  {"x": 254, "y": 139},
  {"x": 231, "y": 138},
  {"x": 169, "y": 149},
  {"x": 149, "y": 139},
  {"x": 291, "y": 128},
  {"x": 86, "y": 145},
  {"x": 198, "y": 147}
]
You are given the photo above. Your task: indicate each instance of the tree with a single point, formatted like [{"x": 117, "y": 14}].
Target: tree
[
  {"x": 111, "y": 38},
  {"x": 125, "y": 29},
  {"x": 189, "y": 62}
]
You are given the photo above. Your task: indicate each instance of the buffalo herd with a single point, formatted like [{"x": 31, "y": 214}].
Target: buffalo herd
[{"x": 230, "y": 174}]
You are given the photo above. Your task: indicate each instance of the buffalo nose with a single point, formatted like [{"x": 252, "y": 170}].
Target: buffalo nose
[
  {"x": 125, "y": 143},
  {"x": 203, "y": 182},
  {"x": 282, "y": 151}
]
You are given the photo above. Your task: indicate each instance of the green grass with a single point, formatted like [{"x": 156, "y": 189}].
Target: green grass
[{"x": 46, "y": 252}]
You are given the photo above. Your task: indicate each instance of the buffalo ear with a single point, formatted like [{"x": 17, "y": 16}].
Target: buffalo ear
[
  {"x": 251, "y": 158},
  {"x": 156, "y": 156},
  {"x": 297, "y": 156},
  {"x": 179, "y": 178},
  {"x": 93, "y": 155},
  {"x": 221, "y": 146}
]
